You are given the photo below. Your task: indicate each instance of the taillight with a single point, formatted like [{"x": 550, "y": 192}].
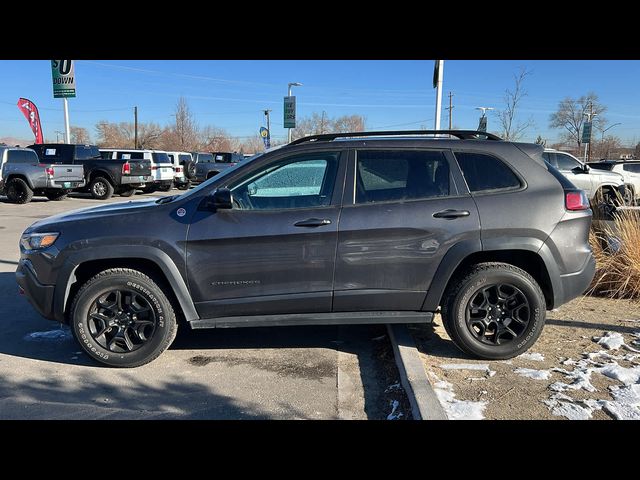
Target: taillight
[
  {"x": 126, "y": 168},
  {"x": 49, "y": 171},
  {"x": 154, "y": 168},
  {"x": 576, "y": 200},
  {"x": 178, "y": 169}
]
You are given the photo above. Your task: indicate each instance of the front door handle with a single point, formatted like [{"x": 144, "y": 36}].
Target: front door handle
[
  {"x": 313, "y": 222},
  {"x": 451, "y": 214}
]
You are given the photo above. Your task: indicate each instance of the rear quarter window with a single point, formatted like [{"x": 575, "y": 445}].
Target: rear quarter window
[{"x": 484, "y": 172}]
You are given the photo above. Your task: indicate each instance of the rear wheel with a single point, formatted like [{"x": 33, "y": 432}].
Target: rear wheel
[
  {"x": 122, "y": 318},
  {"x": 149, "y": 189},
  {"x": 56, "y": 195},
  {"x": 127, "y": 192},
  {"x": 18, "y": 191},
  {"x": 165, "y": 188},
  {"x": 100, "y": 188},
  {"x": 495, "y": 311},
  {"x": 183, "y": 186}
]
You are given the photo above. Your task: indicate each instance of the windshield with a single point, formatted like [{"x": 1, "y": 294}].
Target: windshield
[
  {"x": 160, "y": 157},
  {"x": 84, "y": 152}
]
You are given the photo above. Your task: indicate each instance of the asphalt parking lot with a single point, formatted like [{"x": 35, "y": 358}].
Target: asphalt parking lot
[{"x": 258, "y": 373}]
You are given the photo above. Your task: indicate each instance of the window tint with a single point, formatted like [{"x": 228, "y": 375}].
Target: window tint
[
  {"x": 184, "y": 158},
  {"x": 486, "y": 172},
  {"x": 548, "y": 158},
  {"x": 130, "y": 155},
  {"x": 30, "y": 156},
  {"x": 15, "y": 156},
  {"x": 565, "y": 162},
  {"x": 602, "y": 166},
  {"x": 84, "y": 152},
  {"x": 299, "y": 182},
  {"x": 106, "y": 155},
  {"x": 205, "y": 158},
  {"x": 631, "y": 167},
  {"x": 160, "y": 157},
  {"x": 383, "y": 176}
]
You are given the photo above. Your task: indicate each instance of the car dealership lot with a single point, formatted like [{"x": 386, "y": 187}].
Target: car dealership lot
[{"x": 286, "y": 373}]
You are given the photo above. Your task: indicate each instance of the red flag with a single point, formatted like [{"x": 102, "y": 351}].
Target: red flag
[{"x": 30, "y": 112}]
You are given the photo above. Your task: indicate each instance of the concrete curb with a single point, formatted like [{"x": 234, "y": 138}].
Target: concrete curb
[{"x": 424, "y": 402}]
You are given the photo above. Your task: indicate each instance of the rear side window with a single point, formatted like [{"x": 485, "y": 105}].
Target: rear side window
[
  {"x": 130, "y": 156},
  {"x": 565, "y": 162},
  {"x": 485, "y": 172},
  {"x": 184, "y": 158},
  {"x": 205, "y": 158},
  {"x": 84, "y": 152},
  {"x": 383, "y": 176},
  {"x": 160, "y": 158},
  {"x": 16, "y": 156}
]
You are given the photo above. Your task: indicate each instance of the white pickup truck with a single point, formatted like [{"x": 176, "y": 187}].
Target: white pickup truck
[{"x": 22, "y": 176}]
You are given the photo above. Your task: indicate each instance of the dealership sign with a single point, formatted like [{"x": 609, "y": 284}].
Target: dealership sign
[{"x": 64, "y": 78}]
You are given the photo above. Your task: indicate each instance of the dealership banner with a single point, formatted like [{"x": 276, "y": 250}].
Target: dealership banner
[{"x": 30, "y": 111}]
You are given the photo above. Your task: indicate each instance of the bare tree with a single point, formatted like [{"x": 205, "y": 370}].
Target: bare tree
[
  {"x": 320, "y": 123},
  {"x": 252, "y": 145},
  {"x": 637, "y": 151},
  {"x": 511, "y": 128},
  {"x": 571, "y": 116},
  {"x": 348, "y": 123},
  {"x": 214, "y": 139},
  {"x": 603, "y": 149},
  {"x": 79, "y": 135},
  {"x": 121, "y": 135},
  {"x": 183, "y": 134}
]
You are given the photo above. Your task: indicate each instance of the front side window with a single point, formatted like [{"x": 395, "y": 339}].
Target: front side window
[
  {"x": 304, "y": 181},
  {"x": 394, "y": 175},
  {"x": 85, "y": 152},
  {"x": 484, "y": 172},
  {"x": 565, "y": 162},
  {"x": 15, "y": 156}
]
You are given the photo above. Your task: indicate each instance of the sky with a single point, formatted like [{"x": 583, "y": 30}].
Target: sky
[{"x": 390, "y": 94}]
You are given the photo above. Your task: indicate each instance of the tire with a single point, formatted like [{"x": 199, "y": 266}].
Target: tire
[
  {"x": 212, "y": 174},
  {"x": 127, "y": 193},
  {"x": 100, "y": 188},
  {"x": 135, "y": 342},
  {"x": 165, "y": 188},
  {"x": 183, "y": 186},
  {"x": 629, "y": 196},
  {"x": 56, "y": 195},
  {"x": 149, "y": 189},
  {"x": 18, "y": 191},
  {"x": 466, "y": 291},
  {"x": 190, "y": 169}
]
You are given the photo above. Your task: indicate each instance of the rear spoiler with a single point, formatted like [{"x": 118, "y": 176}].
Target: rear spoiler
[{"x": 532, "y": 150}]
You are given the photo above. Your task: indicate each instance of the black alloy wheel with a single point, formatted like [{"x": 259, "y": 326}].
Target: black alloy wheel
[
  {"x": 121, "y": 321},
  {"x": 498, "y": 314}
]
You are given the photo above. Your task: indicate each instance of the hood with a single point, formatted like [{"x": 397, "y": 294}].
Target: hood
[
  {"x": 606, "y": 173},
  {"x": 121, "y": 208}
]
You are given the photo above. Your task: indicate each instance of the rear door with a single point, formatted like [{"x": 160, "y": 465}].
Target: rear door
[{"x": 403, "y": 210}]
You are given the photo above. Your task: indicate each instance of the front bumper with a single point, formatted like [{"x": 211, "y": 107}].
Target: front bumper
[{"x": 39, "y": 295}]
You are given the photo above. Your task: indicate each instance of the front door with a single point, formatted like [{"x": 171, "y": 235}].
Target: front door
[
  {"x": 274, "y": 251},
  {"x": 402, "y": 215},
  {"x": 574, "y": 171}
]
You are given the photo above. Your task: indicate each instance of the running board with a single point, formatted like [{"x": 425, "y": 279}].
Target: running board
[{"x": 339, "y": 318}]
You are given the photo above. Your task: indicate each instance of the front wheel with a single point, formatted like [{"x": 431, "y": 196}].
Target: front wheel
[
  {"x": 122, "y": 318},
  {"x": 495, "y": 311}
]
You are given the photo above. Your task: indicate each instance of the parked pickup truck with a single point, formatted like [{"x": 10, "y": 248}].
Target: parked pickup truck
[
  {"x": 206, "y": 165},
  {"x": 22, "y": 176},
  {"x": 103, "y": 176}
]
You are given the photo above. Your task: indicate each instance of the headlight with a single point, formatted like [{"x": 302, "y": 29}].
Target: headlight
[{"x": 37, "y": 241}]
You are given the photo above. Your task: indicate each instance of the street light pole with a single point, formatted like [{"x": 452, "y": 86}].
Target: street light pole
[
  {"x": 604, "y": 131},
  {"x": 292, "y": 84}
]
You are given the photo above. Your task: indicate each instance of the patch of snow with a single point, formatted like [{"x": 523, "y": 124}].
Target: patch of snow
[
  {"x": 627, "y": 376},
  {"x": 610, "y": 340},
  {"x": 536, "y": 357},
  {"x": 393, "y": 415},
  {"x": 466, "y": 366},
  {"x": 569, "y": 410},
  {"x": 477, "y": 379},
  {"x": 59, "y": 334},
  {"x": 534, "y": 374},
  {"x": 581, "y": 379},
  {"x": 568, "y": 361},
  {"x": 458, "y": 409}
]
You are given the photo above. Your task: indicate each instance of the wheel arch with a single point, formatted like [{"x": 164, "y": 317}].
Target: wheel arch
[
  {"x": 102, "y": 173},
  {"x": 154, "y": 262},
  {"x": 22, "y": 177},
  {"x": 531, "y": 255}
]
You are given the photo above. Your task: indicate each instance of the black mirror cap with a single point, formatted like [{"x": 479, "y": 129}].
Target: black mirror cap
[{"x": 221, "y": 198}]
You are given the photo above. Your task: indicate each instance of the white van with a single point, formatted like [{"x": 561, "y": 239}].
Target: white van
[
  {"x": 180, "y": 162},
  {"x": 161, "y": 165}
]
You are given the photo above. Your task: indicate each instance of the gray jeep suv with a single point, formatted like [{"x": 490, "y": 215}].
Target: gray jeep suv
[{"x": 377, "y": 227}]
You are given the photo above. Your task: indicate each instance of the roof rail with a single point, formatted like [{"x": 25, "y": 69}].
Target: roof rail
[{"x": 461, "y": 134}]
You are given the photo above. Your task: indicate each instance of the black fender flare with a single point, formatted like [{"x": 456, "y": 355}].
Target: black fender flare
[
  {"x": 459, "y": 252},
  {"x": 67, "y": 275},
  {"x": 23, "y": 177}
]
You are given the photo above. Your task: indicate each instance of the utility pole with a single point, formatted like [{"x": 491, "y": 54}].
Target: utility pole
[
  {"x": 437, "y": 83},
  {"x": 322, "y": 121},
  {"x": 135, "y": 127},
  {"x": 450, "y": 108},
  {"x": 266, "y": 114}
]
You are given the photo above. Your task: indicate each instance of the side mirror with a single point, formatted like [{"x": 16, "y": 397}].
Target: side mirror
[
  {"x": 221, "y": 198},
  {"x": 586, "y": 168}
]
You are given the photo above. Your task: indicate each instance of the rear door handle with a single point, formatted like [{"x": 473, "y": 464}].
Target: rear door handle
[
  {"x": 313, "y": 222},
  {"x": 451, "y": 214}
]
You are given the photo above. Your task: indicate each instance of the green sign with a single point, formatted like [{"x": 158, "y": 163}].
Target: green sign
[
  {"x": 586, "y": 132},
  {"x": 290, "y": 112},
  {"x": 64, "y": 79}
]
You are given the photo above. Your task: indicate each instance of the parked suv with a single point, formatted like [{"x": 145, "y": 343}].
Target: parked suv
[
  {"x": 629, "y": 170},
  {"x": 602, "y": 187},
  {"x": 22, "y": 176},
  {"x": 161, "y": 166},
  {"x": 180, "y": 160},
  {"x": 330, "y": 229}
]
